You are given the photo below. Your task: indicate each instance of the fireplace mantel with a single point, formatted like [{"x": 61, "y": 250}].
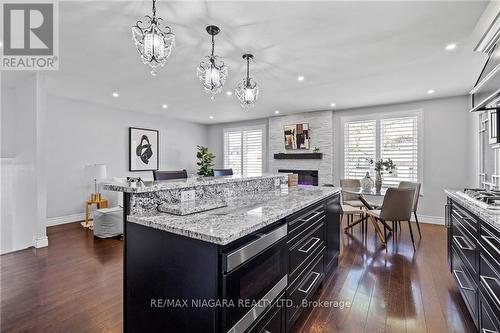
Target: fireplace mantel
[{"x": 298, "y": 156}]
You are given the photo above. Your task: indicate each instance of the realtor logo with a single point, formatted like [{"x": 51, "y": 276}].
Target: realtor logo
[{"x": 30, "y": 36}]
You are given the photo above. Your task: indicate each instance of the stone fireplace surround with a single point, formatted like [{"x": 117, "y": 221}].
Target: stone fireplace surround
[{"x": 320, "y": 125}]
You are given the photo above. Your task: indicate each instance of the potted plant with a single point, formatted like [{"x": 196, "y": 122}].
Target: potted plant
[
  {"x": 381, "y": 166},
  {"x": 205, "y": 161}
]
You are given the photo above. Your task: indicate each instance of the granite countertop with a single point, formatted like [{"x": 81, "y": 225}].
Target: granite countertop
[
  {"x": 484, "y": 214},
  {"x": 153, "y": 186},
  {"x": 242, "y": 216}
]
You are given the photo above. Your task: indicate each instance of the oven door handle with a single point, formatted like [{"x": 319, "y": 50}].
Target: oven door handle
[
  {"x": 248, "y": 251},
  {"x": 249, "y": 318}
]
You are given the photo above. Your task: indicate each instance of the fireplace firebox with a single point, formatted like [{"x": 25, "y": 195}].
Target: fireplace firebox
[{"x": 306, "y": 177}]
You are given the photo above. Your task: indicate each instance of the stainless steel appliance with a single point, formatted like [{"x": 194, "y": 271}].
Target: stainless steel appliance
[
  {"x": 254, "y": 274},
  {"x": 487, "y": 199}
]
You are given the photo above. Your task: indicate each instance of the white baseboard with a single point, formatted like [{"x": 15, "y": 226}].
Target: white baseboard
[
  {"x": 65, "y": 219},
  {"x": 41, "y": 242},
  {"x": 429, "y": 219}
]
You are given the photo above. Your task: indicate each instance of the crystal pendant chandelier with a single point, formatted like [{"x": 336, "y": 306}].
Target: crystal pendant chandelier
[
  {"x": 247, "y": 90},
  {"x": 212, "y": 72},
  {"x": 153, "y": 40}
]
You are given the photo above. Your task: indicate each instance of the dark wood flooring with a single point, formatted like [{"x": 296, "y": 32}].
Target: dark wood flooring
[{"x": 75, "y": 285}]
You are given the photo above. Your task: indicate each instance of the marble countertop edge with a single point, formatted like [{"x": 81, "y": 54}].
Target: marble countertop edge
[
  {"x": 484, "y": 214},
  {"x": 166, "y": 222},
  {"x": 153, "y": 186}
]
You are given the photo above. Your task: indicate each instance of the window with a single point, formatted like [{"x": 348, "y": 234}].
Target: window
[
  {"x": 243, "y": 151},
  {"x": 399, "y": 142},
  {"x": 382, "y": 137},
  {"x": 359, "y": 147}
]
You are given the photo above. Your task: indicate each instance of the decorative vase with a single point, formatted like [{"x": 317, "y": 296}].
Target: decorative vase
[
  {"x": 367, "y": 183},
  {"x": 378, "y": 182}
]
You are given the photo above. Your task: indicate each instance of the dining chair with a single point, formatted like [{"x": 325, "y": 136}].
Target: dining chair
[
  {"x": 166, "y": 175},
  {"x": 397, "y": 206},
  {"x": 222, "y": 172},
  {"x": 416, "y": 188},
  {"x": 351, "y": 205}
]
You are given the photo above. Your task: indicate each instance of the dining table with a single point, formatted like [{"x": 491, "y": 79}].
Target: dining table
[{"x": 363, "y": 195}]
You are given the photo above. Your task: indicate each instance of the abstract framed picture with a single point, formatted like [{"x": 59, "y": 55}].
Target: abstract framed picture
[
  {"x": 297, "y": 136},
  {"x": 143, "y": 149}
]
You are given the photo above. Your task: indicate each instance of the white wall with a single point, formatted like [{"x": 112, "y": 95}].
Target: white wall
[
  {"x": 23, "y": 190},
  {"x": 449, "y": 157},
  {"x": 81, "y": 133}
]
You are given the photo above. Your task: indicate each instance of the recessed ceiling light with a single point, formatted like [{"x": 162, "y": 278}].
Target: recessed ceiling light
[
  {"x": 164, "y": 106},
  {"x": 1, "y": 44},
  {"x": 300, "y": 78},
  {"x": 229, "y": 92},
  {"x": 277, "y": 111},
  {"x": 333, "y": 105},
  {"x": 211, "y": 117},
  {"x": 115, "y": 94},
  {"x": 451, "y": 47},
  {"x": 430, "y": 91}
]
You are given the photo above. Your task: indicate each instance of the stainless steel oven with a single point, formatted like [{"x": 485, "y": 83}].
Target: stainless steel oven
[{"x": 254, "y": 274}]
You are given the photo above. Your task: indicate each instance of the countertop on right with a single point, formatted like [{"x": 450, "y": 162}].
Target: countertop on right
[{"x": 492, "y": 218}]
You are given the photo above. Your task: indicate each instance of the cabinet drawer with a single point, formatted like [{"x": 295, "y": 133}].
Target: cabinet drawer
[
  {"x": 304, "y": 245},
  {"x": 465, "y": 284},
  {"x": 489, "y": 281},
  {"x": 465, "y": 218},
  {"x": 300, "y": 221},
  {"x": 466, "y": 246},
  {"x": 304, "y": 289},
  {"x": 489, "y": 322}
]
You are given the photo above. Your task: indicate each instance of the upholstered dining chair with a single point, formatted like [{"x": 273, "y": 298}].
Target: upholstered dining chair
[
  {"x": 222, "y": 172},
  {"x": 351, "y": 205},
  {"x": 416, "y": 188},
  {"x": 166, "y": 175},
  {"x": 397, "y": 206}
]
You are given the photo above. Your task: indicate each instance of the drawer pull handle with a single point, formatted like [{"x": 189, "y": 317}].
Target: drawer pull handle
[
  {"x": 311, "y": 285},
  {"x": 457, "y": 214},
  {"x": 316, "y": 240},
  {"x": 490, "y": 290},
  {"x": 459, "y": 239},
  {"x": 460, "y": 282},
  {"x": 485, "y": 330},
  {"x": 487, "y": 240},
  {"x": 311, "y": 217}
]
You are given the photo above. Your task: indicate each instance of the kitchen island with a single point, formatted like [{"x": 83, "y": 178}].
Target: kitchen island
[{"x": 245, "y": 267}]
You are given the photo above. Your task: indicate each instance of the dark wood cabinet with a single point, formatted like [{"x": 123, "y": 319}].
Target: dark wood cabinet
[
  {"x": 332, "y": 233},
  {"x": 473, "y": 256}
]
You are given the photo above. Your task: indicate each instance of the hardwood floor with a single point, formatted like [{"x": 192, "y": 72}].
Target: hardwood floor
[{"x": 75, "y": 285}]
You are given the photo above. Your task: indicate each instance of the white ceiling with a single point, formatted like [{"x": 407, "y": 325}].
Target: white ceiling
[{"x": 351, "y": 53}]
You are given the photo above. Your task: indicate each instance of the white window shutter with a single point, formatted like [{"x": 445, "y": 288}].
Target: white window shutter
[
  {"x": 359, "y": 147},
  {"x": 399, "y": 142},
  {"x": 243, "y": 151}
]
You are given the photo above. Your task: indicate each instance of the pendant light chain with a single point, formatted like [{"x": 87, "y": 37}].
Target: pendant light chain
[{"x": 248, "y": 71}]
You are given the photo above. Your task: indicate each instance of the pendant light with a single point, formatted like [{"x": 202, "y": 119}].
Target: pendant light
[
  {"x": 247, "y": 90},
  {"x": 153, "y": 40},
  {"x": 212, "y": 72}
]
